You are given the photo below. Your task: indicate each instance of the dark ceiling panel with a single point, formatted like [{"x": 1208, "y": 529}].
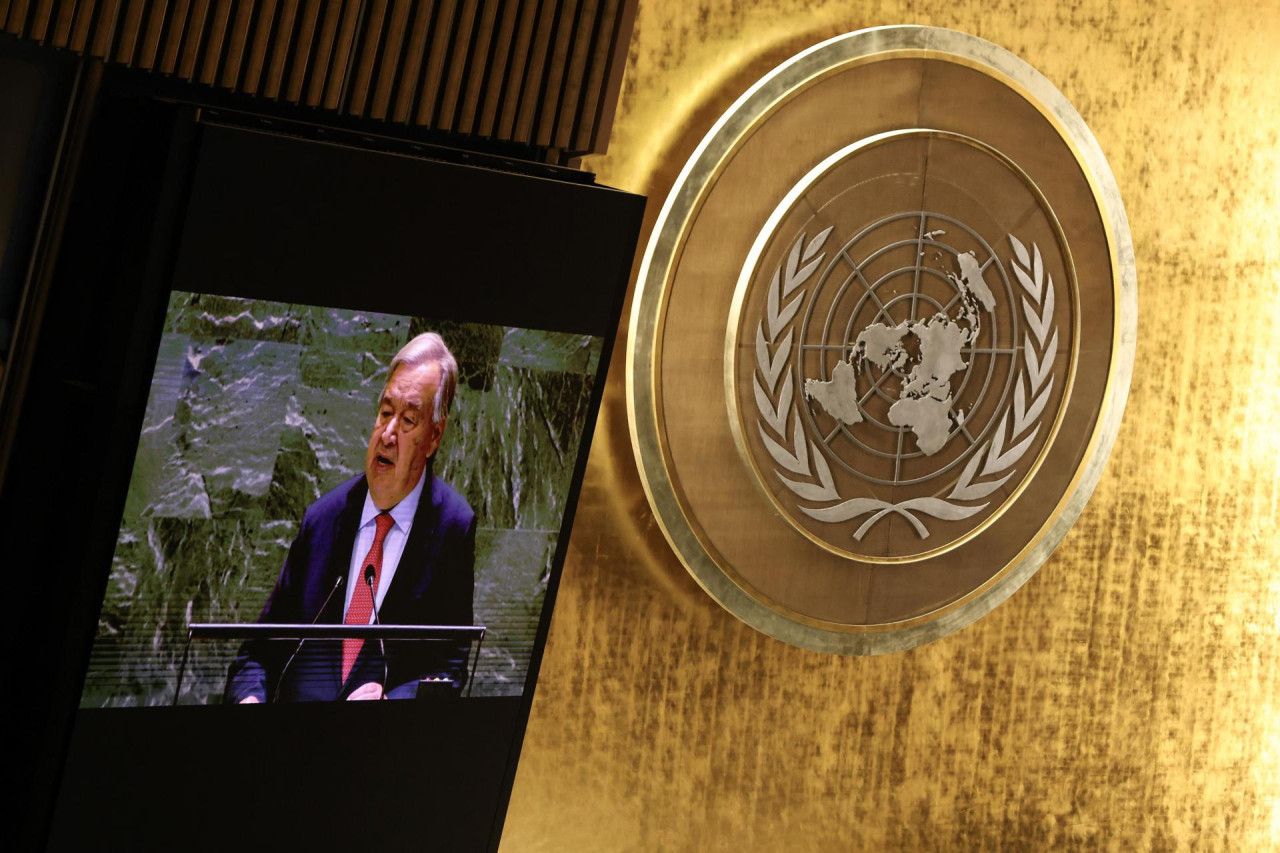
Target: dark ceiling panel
[{"x": 542, "y": 73}]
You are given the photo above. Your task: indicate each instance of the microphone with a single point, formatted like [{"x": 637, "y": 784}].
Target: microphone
[
  {"x": 337, "y": 585},
  {"x": 369, "y": 572}
]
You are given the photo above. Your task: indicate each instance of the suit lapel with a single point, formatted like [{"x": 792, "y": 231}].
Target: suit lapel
[
  {"x": 343, "y": 536},
  {"x": 417, "y": 563}
]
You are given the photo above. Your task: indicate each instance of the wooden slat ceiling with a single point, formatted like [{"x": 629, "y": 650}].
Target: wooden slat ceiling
[{"x": 543, "y": 73}]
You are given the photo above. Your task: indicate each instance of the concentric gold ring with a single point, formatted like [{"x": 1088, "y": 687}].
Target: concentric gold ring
[{"x": 679, "y": 518}]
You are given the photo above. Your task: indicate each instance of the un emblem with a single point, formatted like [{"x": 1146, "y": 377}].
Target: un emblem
[
  {"x": 911, "y": 368},
  {"x": 881, "y": 340}
]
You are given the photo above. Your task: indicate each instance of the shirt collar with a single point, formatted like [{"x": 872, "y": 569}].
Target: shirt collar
[{"x": 403, "y": 512}]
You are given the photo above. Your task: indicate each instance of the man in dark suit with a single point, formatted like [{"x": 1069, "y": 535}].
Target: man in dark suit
[{"x": 396, "y": 537}]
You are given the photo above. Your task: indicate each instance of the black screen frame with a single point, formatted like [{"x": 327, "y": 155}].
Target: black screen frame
[{"x": 140, "y": 213}]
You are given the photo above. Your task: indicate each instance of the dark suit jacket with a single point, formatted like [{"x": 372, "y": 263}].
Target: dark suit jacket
[{"x": 433, "y": 585}]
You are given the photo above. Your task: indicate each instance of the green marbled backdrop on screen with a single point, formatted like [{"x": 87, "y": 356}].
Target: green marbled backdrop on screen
[{"x": 257, "y": 409}]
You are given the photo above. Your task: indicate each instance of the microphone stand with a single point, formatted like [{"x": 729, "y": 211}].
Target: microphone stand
[
  {"x": 275, "y": 696},
  {"x": 369, "y": 572}
]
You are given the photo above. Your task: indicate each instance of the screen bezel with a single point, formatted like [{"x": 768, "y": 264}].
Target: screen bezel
[{"x": 177, "y": 220}]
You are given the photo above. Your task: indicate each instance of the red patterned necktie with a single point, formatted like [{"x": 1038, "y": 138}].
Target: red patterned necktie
[{"x": 362, "y": 598}]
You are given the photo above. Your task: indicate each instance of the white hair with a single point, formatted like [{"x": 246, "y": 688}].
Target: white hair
[{"x": 429, "y": 348}]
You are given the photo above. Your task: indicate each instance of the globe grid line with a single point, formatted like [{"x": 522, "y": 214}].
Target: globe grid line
[
  {"x": 915, "y": 296},
  {"x": 918, "y": 219},
  {"x": 871, "y": 288},
  {"x": 806, "y": 458}
]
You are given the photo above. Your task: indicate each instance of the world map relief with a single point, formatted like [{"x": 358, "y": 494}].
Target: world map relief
[{"x": 926, "y": 353}]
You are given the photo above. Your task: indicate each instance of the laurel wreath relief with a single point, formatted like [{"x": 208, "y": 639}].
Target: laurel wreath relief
[{"x": 992, "y": 464}]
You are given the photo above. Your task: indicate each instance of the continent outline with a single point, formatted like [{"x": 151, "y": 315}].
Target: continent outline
[{"x": 799, "y": 455}]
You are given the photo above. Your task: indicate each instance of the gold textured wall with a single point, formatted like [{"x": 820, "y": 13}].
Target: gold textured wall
[{"x": 1126, "y": 697}]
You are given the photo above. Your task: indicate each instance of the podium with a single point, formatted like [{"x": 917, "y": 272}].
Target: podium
[{"x": 301, "y": 633}]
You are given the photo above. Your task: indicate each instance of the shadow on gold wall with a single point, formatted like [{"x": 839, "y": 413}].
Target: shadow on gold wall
[{"x": 1126, "y": 697}]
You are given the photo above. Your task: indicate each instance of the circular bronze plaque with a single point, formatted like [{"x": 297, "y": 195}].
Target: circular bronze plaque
[{"x": 881, "y": 340}]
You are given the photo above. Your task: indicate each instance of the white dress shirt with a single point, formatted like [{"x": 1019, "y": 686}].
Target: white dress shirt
[{"x": 392, "y": 547}]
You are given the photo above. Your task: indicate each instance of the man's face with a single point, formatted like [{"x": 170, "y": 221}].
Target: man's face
[{"x": 403, "y": 436}]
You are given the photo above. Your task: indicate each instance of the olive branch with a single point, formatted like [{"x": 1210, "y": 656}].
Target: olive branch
[
  {"x": 993, "y": 460},
  {"x": 800, "y": 265}
]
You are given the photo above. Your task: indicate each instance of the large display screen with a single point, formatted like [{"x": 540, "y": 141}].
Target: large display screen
[
  {"x": 258, "y": 411},
  {"x": 241, "y": 342}
]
